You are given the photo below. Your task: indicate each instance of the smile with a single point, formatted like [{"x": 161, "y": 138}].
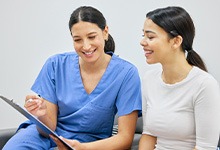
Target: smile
[
  {"x": 148, "y": 52},
  {"x": 89, "y": 53}
]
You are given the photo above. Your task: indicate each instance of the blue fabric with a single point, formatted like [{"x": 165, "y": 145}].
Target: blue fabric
[
  {"x": 29, "y": 139},
  {"x": 82, "y": 116}
]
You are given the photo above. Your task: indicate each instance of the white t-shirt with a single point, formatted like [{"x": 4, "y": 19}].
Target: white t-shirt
[{"x": 182, "y": 115}]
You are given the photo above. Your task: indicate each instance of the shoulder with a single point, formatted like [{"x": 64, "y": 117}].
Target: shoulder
[
  {"x": 203, "y": 78},
  {"x": 122, "y": 64},
  {"x": 205, "y": 88},
  {"x": 61, "y": 59},
  {"x": 62, "y": 56}
]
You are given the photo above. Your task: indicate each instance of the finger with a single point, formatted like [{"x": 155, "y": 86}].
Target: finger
[
  {"x": 32, "y": 105},
  {"x": 59, "y": 144},
  {"x": 30, "y": 102},
  {"x": 32, "y": 96},
  {"x": 32, "y": 99}
]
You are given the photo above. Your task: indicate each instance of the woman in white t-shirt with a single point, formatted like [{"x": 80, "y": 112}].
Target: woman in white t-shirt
[{"x": 181, "y": 101}]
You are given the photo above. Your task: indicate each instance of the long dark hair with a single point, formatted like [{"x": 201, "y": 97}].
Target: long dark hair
[
  {"x": 176, "y": 21},
  {"x": 92, "y": 15}
]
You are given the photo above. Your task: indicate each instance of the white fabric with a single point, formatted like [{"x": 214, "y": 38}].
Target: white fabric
[{"x": 182, "y": 115}]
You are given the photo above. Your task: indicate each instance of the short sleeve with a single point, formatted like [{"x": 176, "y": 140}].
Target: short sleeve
[
  {"x": 44, "y": 84},
  {"x": 129, "y": 96}
]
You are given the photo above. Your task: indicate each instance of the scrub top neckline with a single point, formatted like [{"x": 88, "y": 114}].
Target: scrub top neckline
[{"x": 103, "y": 78}]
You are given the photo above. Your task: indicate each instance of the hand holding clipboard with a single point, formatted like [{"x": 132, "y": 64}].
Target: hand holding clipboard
[{"x": 32, "y": 118}]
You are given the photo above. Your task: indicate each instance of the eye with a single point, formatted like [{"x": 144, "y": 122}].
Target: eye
[
  {"x": 76, "y": 40},
  {"x": 91, "y": 37},
  {"x": 150, "y": 37}
]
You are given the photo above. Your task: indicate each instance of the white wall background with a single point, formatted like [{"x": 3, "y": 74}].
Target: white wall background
[{"x": 31, "y": 31}]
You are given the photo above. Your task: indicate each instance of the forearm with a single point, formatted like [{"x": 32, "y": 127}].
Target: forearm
[
  {"x": 147, "y": 142},
  {"x": 116, "y": 142},
  {"x": 48, "y": 122},
  {"x": 123, "y": 140},
  {"x": 49, "y": 118}
]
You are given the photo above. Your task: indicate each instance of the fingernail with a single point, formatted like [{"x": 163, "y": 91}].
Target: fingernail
[{"x": 30, "y": 100}]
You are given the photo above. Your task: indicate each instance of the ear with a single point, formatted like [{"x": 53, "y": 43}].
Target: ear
[
  {"x": 105, "y": 33},
  {"x": 177, "y": 41}
]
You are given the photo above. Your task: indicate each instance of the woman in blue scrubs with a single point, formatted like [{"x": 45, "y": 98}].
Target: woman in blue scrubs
[{"x": 78, "y": 93}]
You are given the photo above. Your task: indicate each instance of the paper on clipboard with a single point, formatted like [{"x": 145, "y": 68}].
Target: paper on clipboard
[{"x": 34, "y": 120}]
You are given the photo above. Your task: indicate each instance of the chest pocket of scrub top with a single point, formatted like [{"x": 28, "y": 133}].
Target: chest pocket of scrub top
[{"x": 97, "y": 119}]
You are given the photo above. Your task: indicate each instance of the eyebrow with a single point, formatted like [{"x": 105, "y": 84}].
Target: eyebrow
[
  {"x": 87, "y": 34},
  {"x": 148, "y": 31}
]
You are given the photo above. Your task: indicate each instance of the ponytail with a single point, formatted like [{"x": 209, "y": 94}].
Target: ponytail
[
  {"x": 109, "y": 45},
  {"x": 177, "y": 21},
  {"x": 194, "y": 59}
]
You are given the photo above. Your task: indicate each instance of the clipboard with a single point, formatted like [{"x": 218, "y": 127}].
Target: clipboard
[{"x": 34, "y": 119}]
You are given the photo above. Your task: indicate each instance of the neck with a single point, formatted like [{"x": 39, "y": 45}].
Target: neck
[
  {"x": 175, "y": 73},
  {"x": 100, "y": 64}
]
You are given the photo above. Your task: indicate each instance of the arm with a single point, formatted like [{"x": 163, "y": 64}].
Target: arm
[
  {"x": 147, "y": 142},
  {"x": 44, "y": 110},
  {"x": 123, "y": 140},
  {"x": 207, "y": 104}
]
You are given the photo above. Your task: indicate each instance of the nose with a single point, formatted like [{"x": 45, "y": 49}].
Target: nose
[
  {"x": 86, "y": 45},
  {"x": 143, "y": 42}
]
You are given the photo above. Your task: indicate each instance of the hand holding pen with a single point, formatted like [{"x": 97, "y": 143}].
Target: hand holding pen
[{"x": 35, "y": 105}]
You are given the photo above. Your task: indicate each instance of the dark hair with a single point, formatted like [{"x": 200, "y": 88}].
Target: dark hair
[
  {"x": 176, "y": 21},
  {"x": 92, "y": 15}
]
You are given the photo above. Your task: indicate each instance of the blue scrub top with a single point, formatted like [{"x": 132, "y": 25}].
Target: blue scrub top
[{"x": 82, "y": 116}]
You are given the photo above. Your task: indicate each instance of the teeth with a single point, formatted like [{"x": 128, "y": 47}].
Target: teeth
[
  {"x": 148, "y": 52},
  {"x": 88, "y": 53}
]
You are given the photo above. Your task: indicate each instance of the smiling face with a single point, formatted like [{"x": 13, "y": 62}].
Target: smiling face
[
  {"x": 89, "y": 40},
  {"x": 156, "y": 44}
]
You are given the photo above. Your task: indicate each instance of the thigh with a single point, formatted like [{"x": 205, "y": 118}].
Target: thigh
[{"x": 26, "y": 139}]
